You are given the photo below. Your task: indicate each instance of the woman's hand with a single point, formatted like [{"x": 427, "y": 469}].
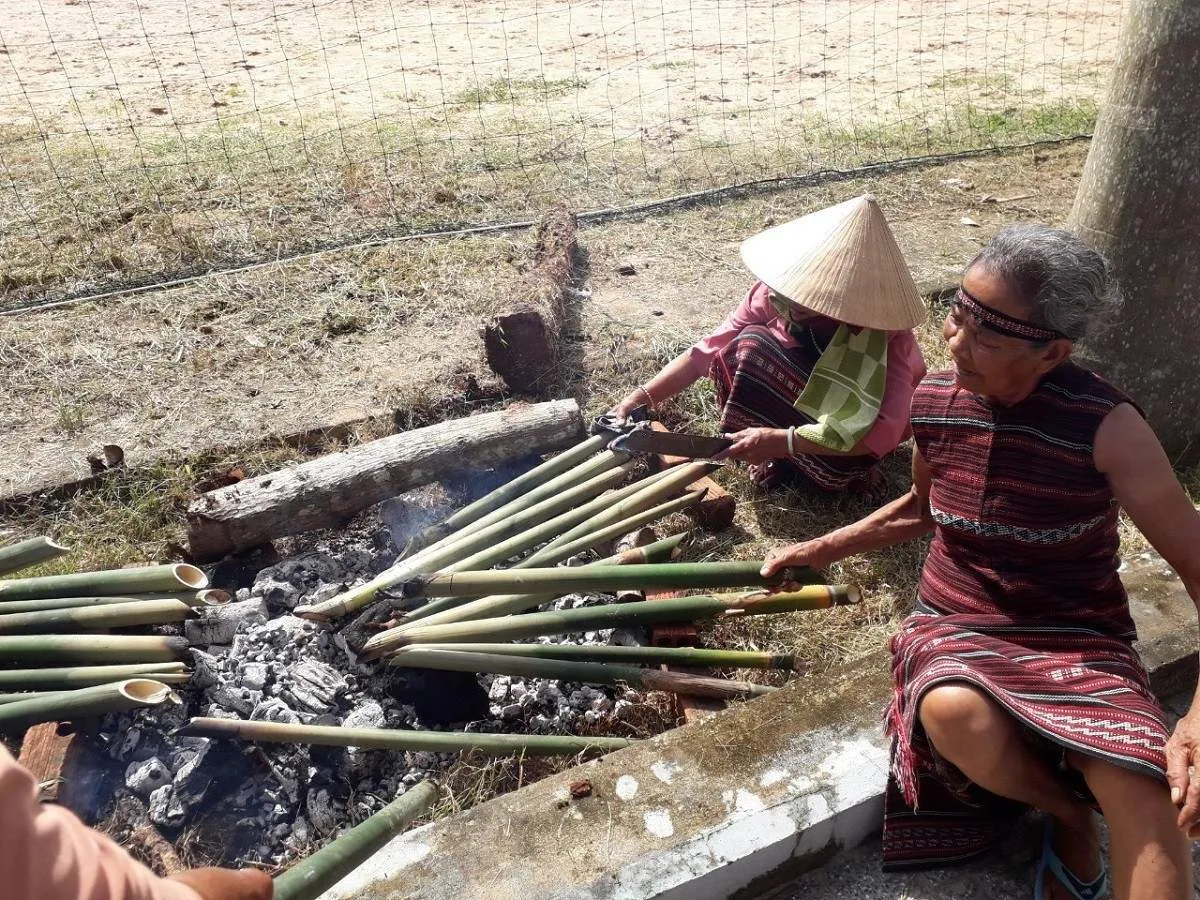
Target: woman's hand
[
  {"x": 756, "y": 445},
  {"x": 635, "y": 398},
  {"x": 1183, "y": 772},
  {"x": 815, "y": 554}
]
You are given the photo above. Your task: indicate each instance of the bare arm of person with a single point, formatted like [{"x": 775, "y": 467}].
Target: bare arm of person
[
  {"x": 757, "y": 445},
  {"x": 675, "y": 376},
  {"x": 904, "y": 519},
  {"x": 1129, "y": 453}
]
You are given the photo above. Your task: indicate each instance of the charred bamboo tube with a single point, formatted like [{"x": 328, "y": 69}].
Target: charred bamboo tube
[
  {"x": 644, "y": 612},
  {"x": 695, "y": 657},
  {"x": 42, "y": 695},
  {"x": 28, "y": 553},
  {"x": 87, "y": 676},
  {"x": 439, "y": 610},
  {"x": 94, "y": 701},
  {"x": 394, "y": 739},
  {"x": 572, "y": 670},
  {"x": 146, "y": 580},
  {"x": 567, "y": 580},
  {"x": 460, "y": 547},
  {"x": 450, "y": 609},
  {"x": 311, "y": 877},
  {"x": 90, "y": 648},
  {"x": 85, "y": 618},
  {"x": 208, "y": 597}
]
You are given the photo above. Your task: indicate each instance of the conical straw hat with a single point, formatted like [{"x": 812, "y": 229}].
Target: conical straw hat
[{"x": 841, "y": 262}]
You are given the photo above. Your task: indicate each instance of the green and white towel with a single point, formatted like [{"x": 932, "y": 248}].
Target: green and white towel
[{"x": 845, "y": 390}]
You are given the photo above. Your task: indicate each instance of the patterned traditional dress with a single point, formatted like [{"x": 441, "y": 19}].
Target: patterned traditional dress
[{"x": 1020, "y": 597}]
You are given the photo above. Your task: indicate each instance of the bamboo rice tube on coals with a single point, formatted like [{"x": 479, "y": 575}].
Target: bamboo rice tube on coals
[
  {"x": 146, "y": 580},
  {"x": 167, "y": 678},
  {"x": 695, "y": 657},
  {"x": 616, "y": 615},
  {"x": 456, "y": 547},
  {"x": 573, "y": 670},
  {"x": 94, "y": 701},
  {"x": 90, "y": 648},
  {"x": 28, "y": 553},
  {"x": 311, "y": 877},
  {"x": 453, "y": 609},
  {"x": 207, "y": 597},
  {"x": 86, "y": 676},
  {"x": 396, "y": 739},
  {"x": 84, "y": 618}
]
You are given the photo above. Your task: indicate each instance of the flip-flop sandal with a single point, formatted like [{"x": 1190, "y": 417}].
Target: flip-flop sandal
[{"x": 1051, "y": 863}]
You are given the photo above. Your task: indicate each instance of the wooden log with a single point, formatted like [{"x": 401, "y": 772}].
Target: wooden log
[
  {"x": 522, "y": 339},
  {"x": 713, "y": 513},
  {"x": 329, "y": 490},
  {"x": 48, "y": 755}
]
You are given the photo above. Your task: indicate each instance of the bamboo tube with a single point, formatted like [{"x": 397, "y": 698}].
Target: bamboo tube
[
  {"x": 568, "y": 580},
  {"x": 28, "y": 553},
  {"x": 571, "y": 670},
  {"x": 207, "y": 597},
  {"x": 90, "y": 648},
  {"x": 42, "y": 695},
  {"x": 449, "y": 609},
  {"x": 87, "y": 676},
  {"x": 644, "y": 612},
  {"x": 85, "y": 618},
  {"x": 395, "y": 739},
  {"x": 94, "y": 701},
  {"x": 311, "y": 877},
  {"x": 456, "y": 547},
  {"x": 145, "y": 580},
  {"x": 696, "y": 657}
]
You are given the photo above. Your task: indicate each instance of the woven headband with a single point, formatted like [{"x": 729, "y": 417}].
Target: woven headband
[{"x": 1001, "y": 323}]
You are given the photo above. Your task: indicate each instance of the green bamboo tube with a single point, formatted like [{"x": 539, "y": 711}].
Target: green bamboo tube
[
  {"x": 457, "y": 548},
  {"x": 696, "y": 657},
  {"x": 90, "y": 648},
  {"x": 87, "y": 676},
  {"x": 615, "y": 615},
  {"x": 67, "y": 706},
  {"x": 395, "y": 739},
  {"x": 572, "y": 670},
  {"x": 435, "y": 609},
  {"x": 451, "y": 609},
  {"x": 207, "y": 597},
  {"x": 311, "y": 877},
  {"x": 28, "y": 553},
  {"x": 146, "y": 580},
  {"x": 86, "y": 618},
  {"x": 42, "y": 695},
  {"x": 568, "y": 580}
]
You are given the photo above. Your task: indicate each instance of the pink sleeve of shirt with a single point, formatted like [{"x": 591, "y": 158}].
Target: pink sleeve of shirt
[
  {"x": 756, "y": 309},
  {"x": 48, "y": 854},
  {"x": 905, "y": 369}
]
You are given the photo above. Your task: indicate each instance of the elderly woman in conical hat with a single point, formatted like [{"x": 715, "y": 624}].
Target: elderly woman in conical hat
[{"x": 815, "y": 369}]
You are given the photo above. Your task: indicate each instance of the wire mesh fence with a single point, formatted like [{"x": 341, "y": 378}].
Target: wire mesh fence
[{"x": 141, "y": 142}]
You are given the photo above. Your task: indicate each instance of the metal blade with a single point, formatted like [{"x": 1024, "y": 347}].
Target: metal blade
[{"x": 693, "y": 446}]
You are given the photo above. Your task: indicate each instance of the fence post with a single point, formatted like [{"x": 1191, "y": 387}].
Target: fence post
[{"x": 1139, "y": 202}]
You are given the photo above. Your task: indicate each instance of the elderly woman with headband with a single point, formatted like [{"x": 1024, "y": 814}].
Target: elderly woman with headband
[
  {"x": 815, "y": 369},
  {"x": 1016, "y": 681}
]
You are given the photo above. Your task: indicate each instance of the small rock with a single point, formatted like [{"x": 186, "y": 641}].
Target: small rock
[
  {"x": 581, "y": 789},
  {"x": 626, "y": 268},
  {"x": 165, "y": 808},
  {"x": 366, "y": 715},
  {"x": 144, "y": 778}
]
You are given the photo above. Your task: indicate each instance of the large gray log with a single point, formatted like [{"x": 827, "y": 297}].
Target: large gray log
[
  {"x": 328, "y": 491},
  {"x": 1137, "y": 203}
]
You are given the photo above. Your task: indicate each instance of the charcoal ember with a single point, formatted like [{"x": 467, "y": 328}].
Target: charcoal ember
[
  {"x": 325, "y": 812},
  {"x": 253, "y": 676},
  {"x": 184, "y": 749},
  {"x": 272, "y": 709},
  {"x": 165, "y": 808},
  {"x": 233, "y": 697},
  {"x": 284, "y": 632},
  {"x": 206, "y": 669},
  {"x": 219, "y": 624},
  {"x": 144, "y": 778},
  {"x": 313, "y": 686},
  {"x": 194, "y": 777},
  {"x": 444, "y": 698},
  {"x": 368, "y": 714}
]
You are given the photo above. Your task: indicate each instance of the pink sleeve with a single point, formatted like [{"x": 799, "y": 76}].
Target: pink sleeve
[
  {"x": 905, "y": 369},
  {"x": 47, "y": 853},
  {"x": 755, "y": 309}
]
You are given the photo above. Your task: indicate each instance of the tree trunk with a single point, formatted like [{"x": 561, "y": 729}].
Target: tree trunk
[
  {"x": 1137, "y": 202},
  {"x": 328, "y": 491}
]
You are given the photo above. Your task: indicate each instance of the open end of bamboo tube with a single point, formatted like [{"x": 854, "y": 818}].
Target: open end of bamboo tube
[
  {"x": 190, "y": 576},
  {"x": 214, "y": 597},
  {"x": 144, "y": 690},
  {"x": 55, "y": 545},
  {"x": 853, "y": 595}
]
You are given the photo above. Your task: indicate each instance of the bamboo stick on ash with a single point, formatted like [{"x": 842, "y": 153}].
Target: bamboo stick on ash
[
  {"x": 90, "y": 648},
  {"x": 694, "y": 657},
  {"x": 145, "y": 580},
  {"x": 207, "y": 597},
  {"x": 166, "y": 678},
  {"x": 85, "y": 618},
  {"x": 396, "y": 739},
  {"x": 84, "y": 703},
  {"x": 88, "y": 676},
  {"x": 28, "y": 553}
]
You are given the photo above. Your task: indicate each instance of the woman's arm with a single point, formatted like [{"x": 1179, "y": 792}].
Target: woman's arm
[
  {"x": 904, "y": 519},
  {"x": 1129, "y": 453},
  {"x": 675, "y": 376}
]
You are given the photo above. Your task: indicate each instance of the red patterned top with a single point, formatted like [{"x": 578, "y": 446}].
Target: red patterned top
[{"x": 1026, "y": 527}]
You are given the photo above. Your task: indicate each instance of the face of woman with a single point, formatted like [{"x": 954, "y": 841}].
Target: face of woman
[
  {"x": 794, "y": 312},
  {"x": 1004, "y": 369}
]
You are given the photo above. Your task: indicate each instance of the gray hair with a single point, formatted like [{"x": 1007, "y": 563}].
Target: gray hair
[{"x": 1068, "y": 285}]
